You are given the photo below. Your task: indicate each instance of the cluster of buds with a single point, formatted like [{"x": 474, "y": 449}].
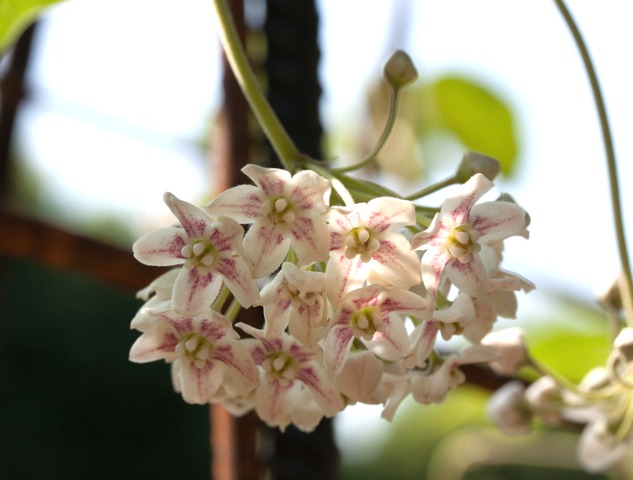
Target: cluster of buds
[
  {"x": 354, "y": 294},
  {"x": 602, "y": 403}
]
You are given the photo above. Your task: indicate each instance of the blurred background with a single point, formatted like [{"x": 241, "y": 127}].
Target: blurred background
[{"x": 120, "y": 106}]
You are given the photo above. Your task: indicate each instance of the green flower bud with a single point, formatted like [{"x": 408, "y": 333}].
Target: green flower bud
[
  {"x": 399, "y": 70},
  {"x": 474, "y": 162}
]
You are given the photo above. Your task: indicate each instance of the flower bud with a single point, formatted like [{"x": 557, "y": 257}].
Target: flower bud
[
  {"x": 510, "y": 346},
  {"x": 474, "y": 162},
  {"x": 399, "y": 70},
  {"x": 508, "y": 409}
]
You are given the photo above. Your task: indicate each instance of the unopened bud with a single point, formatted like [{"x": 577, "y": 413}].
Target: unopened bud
[
  {"x": 510, "y": 346},
  {"x": 509, "y": 410},
  {"x": 474, "y": 162},
  {"x": 399, "y": 70}
]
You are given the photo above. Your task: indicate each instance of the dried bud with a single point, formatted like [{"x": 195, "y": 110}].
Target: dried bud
[
  {"x": 474, "y": 162},
  {"x": 399, "y": 70}
]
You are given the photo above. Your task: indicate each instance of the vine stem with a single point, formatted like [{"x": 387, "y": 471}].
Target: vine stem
[
  {"x": 288, "y": 153},
  {"x": 627, "y": 289}
]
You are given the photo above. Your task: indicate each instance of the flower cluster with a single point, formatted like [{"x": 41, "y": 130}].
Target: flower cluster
[
  {"x": 602, "y": 403},
  {"x": 354, "y": 296}
]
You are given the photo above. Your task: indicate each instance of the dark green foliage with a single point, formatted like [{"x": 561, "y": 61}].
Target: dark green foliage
[{"x": 71, "y": 404}]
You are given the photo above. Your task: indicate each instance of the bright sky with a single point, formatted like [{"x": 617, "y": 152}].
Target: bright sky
[{"x": 124, "y": 91}]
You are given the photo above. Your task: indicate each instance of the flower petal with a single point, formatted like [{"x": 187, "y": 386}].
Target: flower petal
[
  {"x": 242, "y": 203},
  {"x": 265, "y": 246},
  {"x": 161, "y": 248},
  {"x": 336, "y": 349},
  {"x": 458, "y": 206},
  {"x": 193, "y": 292},
  {"x": 237, "y": 277},
  {"x": 323, "y": 389},
  {"x": 497, "y": 220},
  {"x": 395, "y": 264},
  {"x": 194, "y": 220}
]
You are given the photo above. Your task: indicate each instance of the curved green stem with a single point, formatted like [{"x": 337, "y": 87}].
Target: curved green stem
[
  {"x": 627, "y": 291},
  {"x": 283, "y": 145},
  {"x": 392, "y": 115},
  {"x": 433, "y": 188}
]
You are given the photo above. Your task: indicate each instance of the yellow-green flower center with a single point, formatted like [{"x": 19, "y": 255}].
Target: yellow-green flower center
[
  {"x": 199, "y": 254},
  {"x": 366, "y": 322},
  {"x": 280, "y": 210},
  {"x": 195, "y": 348},
  {"x": 361, "y": 241},
  {"x": 462, "y": 243},
  {"x": 281, "y": 367}
]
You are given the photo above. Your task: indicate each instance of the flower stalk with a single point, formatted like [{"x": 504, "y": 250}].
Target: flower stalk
[{"x": 627, "y": 289}]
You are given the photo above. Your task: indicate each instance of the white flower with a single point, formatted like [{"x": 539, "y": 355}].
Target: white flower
[
  {"x": 210, "y": 252},
  {"x": 455, "y": 239},
  {"x": 287, "y": 369},
  {"x": 366, "y": 246},
  {"x": 285, "y": 212},
  {"x": 365, "y": 314},
  {"x": 296, "y": 299},
  {"x": 205, "y": 350}
]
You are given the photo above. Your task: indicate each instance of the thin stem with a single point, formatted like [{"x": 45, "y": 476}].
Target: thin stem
[
  {"x": 281, "y": 142},
  {"x": 433, "y": 188},
  {"x": 233, "y": 309},
  {"x": 392, "y": 115},
  {"x": 627, "y": 290}
]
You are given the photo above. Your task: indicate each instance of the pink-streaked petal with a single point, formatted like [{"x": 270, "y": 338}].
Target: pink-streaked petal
[
  {"x": 237, "y": 276},
  {"x": 198, "y": 385},
  {"x": 497, "y": 220},
  {"x": 158, "y": 343},
  {"x": 434, "y": 235},
  {"x": 272, "y": 181},
  {"x": 470, "y": 277},
  {"x": 226, "y": 236},
  {"x": 360, "y": 378},
  {"x": 241, "y": 371},
  {"x": 161, "y": 248},
  {"x": 310, "y": 191},
  {"x": 323, "y": 389},
  {"x": 395, "y": 264},
  {"x": 273, "y": 402},
  {"x": 336, "y": 349},
  {"x": 421, "y": 343},
  {"x": 194, "y": 221},
  {"x": 194, "y": 292},
  {"x": 242, "y": 203},
  {"x": 388, "y": 213},
  {"x": 265, "y": 246},
  {"x": 434, "y": 262},
  {"x": 311, "y": 240},
  {"x": 458, "y": 206},
  {"x": 308, "y": 323},
  {"x": 392, "y": 342},
  {"x": 344, "y": 275},
  {"x": 404, "y": 301}
]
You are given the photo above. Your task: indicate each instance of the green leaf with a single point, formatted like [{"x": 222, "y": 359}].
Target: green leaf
[
  {"x": 478, "y": 117},
  {"x": 16, "y": 15}
]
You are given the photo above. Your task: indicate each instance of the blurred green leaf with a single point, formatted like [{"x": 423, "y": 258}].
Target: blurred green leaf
[
  {"x": 16, "y": 15},
  {"x": 571, "y": 341},
  {"x": 478, "y": 117}
]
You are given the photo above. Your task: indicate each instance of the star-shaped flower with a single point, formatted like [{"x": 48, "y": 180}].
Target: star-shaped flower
[
  {"x": 364, "y": 313},
  {"x": 210, "y": 251},
  {"x": 365, "y": 244},
  {"x": 454, "y": 241},
  {"x": 285, "y": 212},
  {"x": 296, "y": 299},
  {"x": 205, "y": 351},
  {"x": 289, "y": 371}
]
